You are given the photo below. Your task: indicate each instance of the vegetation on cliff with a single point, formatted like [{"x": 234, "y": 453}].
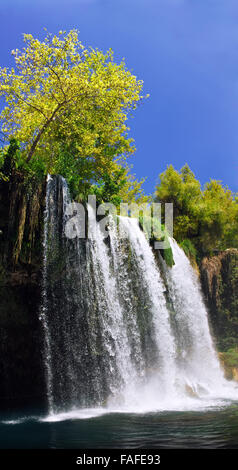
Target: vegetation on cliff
[
  {"x": 205, "y": 220},
  {"x": 229, "y": 361}
]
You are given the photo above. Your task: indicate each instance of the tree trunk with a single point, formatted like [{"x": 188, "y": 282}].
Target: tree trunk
[{"x": 41, "y": 132}]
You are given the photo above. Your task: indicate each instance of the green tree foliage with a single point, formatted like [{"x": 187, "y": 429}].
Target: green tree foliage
[
  {"x": 8, "y": 159},
  {"x": 68, "y": 107},
  {"x": 204, "y": 219}
]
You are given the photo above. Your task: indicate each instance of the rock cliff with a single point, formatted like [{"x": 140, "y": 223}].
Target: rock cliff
[{"x": 21, "y": 222}]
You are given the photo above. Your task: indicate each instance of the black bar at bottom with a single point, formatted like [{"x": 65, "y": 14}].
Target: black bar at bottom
[{"x": 110, "y": 458}]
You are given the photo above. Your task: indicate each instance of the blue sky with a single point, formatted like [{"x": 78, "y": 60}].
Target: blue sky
[{"x": 185, "y": 51}]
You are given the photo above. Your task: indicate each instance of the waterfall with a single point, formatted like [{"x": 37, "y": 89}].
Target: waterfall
[
  {"x": 44, "y": 306},
  {"x": 147, "y": 270},
  {"x": 198, "y": 364},
  {"x": 72, "y": 350},
  {"x": 120, "y": 332},
  {"x": 121, "y": 371}
]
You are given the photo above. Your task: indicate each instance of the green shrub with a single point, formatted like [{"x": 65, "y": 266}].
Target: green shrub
[{"x": 230, "y": 357}]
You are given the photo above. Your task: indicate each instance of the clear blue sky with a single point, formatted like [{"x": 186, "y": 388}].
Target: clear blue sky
[{"x": 186, "y": 51}]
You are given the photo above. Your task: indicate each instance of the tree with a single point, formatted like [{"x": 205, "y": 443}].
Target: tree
[
  {"x": 65, "y": 100},
  {"x": 206, "y": 218},
  {"x": 219, "y": 217},
  {"x": 184, "y": 191}
]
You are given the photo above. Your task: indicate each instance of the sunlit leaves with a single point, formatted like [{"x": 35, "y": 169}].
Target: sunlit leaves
[
  {"x": 208, "y": 217},
  {"x": 62, "y": 94}
]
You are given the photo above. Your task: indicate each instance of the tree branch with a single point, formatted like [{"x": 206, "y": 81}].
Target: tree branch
[
  {"x": 29, "y": 104},
  {"x": 58, "y": 78},
  {"x": 47, "y": 123},
  {"x": 41, "y": 131}
]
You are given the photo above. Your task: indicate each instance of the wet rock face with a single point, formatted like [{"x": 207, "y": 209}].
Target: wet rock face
[
  {"x": 21, "y": 374},
  {"x": 219, "y": 277},
  {"x": 21, "y": 224}
]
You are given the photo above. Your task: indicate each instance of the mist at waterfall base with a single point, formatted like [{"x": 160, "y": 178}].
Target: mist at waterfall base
[{"x": 129, "y": 359}]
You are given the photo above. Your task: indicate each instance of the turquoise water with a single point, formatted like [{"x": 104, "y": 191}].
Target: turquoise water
[{"x": 211, "y": 428}]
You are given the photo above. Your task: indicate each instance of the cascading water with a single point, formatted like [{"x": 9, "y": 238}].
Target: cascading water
[
  {"x": 74, "y": 369},
  {"x": 164, "y": 367},
  {"x": 121, "y": 370},
  {"x": 113, "y": 337},
  {"x": 198, "y": 365}
]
